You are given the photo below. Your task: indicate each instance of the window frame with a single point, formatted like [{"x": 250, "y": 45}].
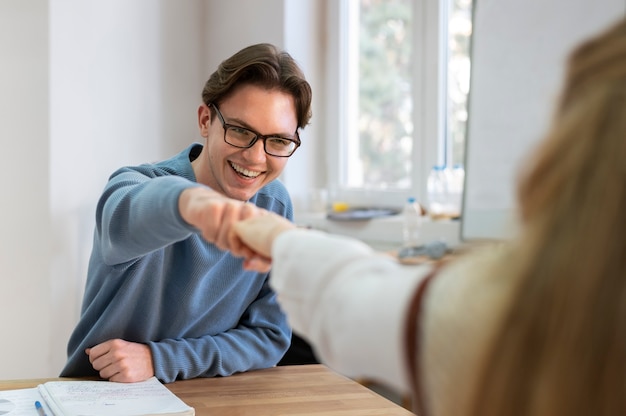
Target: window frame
[{"x": 429, "y": 81}]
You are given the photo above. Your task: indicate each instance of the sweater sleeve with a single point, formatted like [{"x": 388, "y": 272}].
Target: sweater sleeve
[
  {"x": 138, "y": 214},
  {"x": 348, "y": 301}
]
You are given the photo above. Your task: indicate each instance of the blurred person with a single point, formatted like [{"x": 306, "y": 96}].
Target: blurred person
[
  {"x": 164, "y": 297},
  {"x": 534, "y": 326}
]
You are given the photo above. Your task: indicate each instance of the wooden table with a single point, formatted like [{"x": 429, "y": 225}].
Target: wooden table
[{"x": 290, "y": 390}]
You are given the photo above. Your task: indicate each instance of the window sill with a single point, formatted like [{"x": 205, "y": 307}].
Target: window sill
[{"x": 383, "y": 233}]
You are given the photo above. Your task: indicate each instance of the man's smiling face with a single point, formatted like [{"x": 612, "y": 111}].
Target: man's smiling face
[{"x": 235, "y": 172}]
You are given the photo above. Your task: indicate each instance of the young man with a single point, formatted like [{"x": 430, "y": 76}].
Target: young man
[{"x": 164, "y": 297}]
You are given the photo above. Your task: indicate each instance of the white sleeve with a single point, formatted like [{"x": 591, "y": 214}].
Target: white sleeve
[{"x": 348, "y": 301}]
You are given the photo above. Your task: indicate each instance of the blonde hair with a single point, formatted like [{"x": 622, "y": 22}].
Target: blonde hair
[{"x": 561, "y": 348}]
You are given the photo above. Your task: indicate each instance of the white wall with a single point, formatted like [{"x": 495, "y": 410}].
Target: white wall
[
  {"x": 25, "y": 235},
  {"x": 88, "y": 86}
]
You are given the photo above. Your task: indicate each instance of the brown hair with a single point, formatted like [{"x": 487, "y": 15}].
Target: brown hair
[
  {"x": 265, "y": 66},
  {"x": 561, "y": 348}
]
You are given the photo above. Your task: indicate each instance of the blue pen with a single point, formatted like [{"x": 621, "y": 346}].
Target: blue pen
[{"x": 39, "y": 408}]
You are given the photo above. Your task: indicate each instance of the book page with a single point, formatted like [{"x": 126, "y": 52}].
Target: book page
[
  {"x": 104, "y": 398},
  {"x": 21, "y": 402}
]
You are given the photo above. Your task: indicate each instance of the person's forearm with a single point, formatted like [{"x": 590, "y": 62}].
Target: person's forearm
[
  {"x": 135, "y": 218},
  {"x": 236, "y": 350},
  {"x": 348, "y": 301},
  {"x": 259, "y": 341}
]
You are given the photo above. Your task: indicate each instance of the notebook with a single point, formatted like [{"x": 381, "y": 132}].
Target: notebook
[{"x": 95, "y": 398}]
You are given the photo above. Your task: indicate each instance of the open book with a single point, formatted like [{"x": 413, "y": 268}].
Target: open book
[{"x": 95, "y": 398}]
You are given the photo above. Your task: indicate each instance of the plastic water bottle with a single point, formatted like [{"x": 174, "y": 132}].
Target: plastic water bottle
[
  {"x": 436, "y": 187},
  {"x": 455, "y": 190},
  {"x": 412, "y": 214}
]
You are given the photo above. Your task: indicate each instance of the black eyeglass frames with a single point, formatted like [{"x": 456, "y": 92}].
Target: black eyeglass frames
[{"x": 244, "y": 138}]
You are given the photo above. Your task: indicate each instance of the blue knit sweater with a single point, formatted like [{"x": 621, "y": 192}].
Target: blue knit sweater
[{"x": 153, "y": 279}]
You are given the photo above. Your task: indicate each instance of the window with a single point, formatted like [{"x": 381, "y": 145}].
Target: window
[
  {"x": 459, "y": 33},
  {"x": 403, "y": 75}
]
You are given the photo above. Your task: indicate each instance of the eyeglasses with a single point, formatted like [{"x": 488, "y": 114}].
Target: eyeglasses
[{"x": 244, "y": 138}]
